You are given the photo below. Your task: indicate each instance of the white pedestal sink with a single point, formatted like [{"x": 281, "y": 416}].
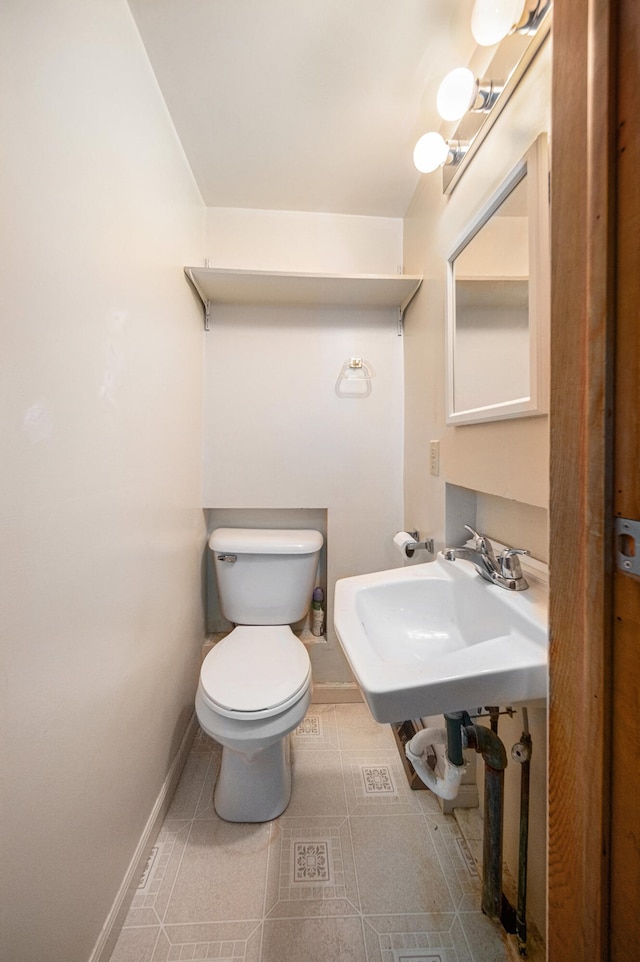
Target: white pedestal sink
[{"x": 435, "y": 638}]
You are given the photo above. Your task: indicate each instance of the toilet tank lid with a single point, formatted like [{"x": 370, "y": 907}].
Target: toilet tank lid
[{"x": 266, "y": 540}]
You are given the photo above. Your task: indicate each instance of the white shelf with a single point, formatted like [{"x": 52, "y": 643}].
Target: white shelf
[{"x": 222, "y": 286}]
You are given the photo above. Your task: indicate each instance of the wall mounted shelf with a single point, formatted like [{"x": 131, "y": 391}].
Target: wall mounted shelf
[{"x": 217, "y": 285}]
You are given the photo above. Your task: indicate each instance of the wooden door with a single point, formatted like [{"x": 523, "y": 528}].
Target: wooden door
[
  {"x": 625, "y": 718},
  {"x": 594, "y": 775}
]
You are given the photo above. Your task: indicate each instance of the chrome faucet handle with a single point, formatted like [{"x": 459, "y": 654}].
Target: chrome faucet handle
[
  {"x": 482, "y": 543},
  {"x": 510, "y": 563}
]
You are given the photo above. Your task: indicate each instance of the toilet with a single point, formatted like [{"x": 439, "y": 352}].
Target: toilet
[{"x": 255, "y": 684}]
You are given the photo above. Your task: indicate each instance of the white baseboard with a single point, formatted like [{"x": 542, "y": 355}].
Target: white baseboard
[
  {"x": 111, "y": 928},
  {"x": 335, "y": 692}
]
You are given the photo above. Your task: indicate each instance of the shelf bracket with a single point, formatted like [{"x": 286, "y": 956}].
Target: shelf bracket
[
  {"x": 403, "y": 307},
  {"x": 206, "y": 303}
]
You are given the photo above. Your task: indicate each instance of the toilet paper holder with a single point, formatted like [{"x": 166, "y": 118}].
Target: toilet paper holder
[{"x": 427, "y": 544}]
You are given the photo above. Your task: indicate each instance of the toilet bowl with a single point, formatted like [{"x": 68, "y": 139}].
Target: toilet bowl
[
  {"x": 255, "y": 684},
  {"x": 265, "y": 673}
]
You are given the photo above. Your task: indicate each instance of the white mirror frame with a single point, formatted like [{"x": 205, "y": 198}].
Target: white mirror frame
[{"x": 535, "y": 165}]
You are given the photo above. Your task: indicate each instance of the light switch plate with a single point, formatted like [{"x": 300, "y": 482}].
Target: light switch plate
[{"x": 434, "y": 458}]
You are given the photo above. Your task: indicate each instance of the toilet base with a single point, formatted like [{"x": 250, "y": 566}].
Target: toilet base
[{"x": 256, "y": 787}]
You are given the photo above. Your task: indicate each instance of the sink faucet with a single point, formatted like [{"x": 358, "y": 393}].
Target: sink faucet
[{"x": 503, "y": 570}]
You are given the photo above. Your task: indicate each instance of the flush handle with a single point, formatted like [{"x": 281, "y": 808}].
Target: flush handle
[{"x": 230, "y": 558}]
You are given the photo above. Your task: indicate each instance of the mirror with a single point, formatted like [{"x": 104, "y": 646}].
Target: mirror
[{"x": 498, "y": 301}]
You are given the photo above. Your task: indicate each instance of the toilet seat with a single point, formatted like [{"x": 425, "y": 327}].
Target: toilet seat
[{"x": 255, "y": 672}]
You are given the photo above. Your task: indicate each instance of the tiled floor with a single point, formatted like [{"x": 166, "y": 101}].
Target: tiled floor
[{"x": 358, "y": 869}]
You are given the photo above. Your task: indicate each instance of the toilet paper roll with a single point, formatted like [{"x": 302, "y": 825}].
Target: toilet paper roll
[{"x": 405, "y": 544}]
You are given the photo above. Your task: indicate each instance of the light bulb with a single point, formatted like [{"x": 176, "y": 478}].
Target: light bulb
[
  {"x": 430, "y": 152},
  {"x": 491, "y": 20},
  {"x": 456, "y": 93}
]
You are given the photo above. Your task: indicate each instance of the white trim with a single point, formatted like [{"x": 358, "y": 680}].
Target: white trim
[
  {"x": 104, "y": 946},
  {"x": 535, "y": 167},
  {"x": 335, "y": 692}
]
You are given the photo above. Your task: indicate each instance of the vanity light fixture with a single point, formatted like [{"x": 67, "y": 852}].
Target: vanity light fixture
[
  {"x": 492, "y": 20},
  {"x": 461, "y": 91},
  {"x": 433, "y": 151},
  {"x": 535, "y": 11}
]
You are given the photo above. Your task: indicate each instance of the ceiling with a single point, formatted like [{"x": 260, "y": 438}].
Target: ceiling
[{"x": 307, "y": 105}]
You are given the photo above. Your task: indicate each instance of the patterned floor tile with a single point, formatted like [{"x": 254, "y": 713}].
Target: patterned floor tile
[
  {"x": 415, "y": 938},
  {"x": 317, "y": 731},
  {"x": 487, "y": 941},
  {"x": 222, "y": 873},
  {"x": 204, "y": 807},
  {"x": 317, "y": 784},
  {"x": 359, "y": 868},
  {"x": 311, "y": 869},
  {"x": 136, "y": 944},
  {"x": 153, "y": 892},
  {"x": 203, "y": 744},
  {"x": 358, "y": 730},
  {"x": 456, "y": 861},
  {"x": 376, "y": 784},
  {"x": 397, "y": 867},
  {"x": 187, "y": 796},
  {"x": 212, "y": 942},
  {"x": 313, "y": 940}
]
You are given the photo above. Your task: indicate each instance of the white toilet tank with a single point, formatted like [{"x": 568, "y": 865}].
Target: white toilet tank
[{"x": 265, "y": 576}]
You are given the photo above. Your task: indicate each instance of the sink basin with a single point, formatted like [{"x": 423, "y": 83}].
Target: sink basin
[{"x": 436, "y": 637}]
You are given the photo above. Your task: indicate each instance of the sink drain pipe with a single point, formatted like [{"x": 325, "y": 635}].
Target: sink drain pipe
[
  {"x": 416, "y": 750},
  {"x": 458, "y": 735},
  {"x": 488, "y": 744}
]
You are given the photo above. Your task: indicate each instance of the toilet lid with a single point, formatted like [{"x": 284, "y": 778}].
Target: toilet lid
[{"x": 255, "y": 670}]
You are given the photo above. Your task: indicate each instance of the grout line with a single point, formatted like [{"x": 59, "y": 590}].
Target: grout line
[
  {"x": 186, "y": 925},
  {"x": 173, "y": 885},
  {"x": 270, "y": 848},
  {"x": 364, "y": 937},
  {"x": 212, "y": 756},
  {"x": 355, "y": 868},
  {"x": 454, "y": 901},
  {"x": 155, "y": 944}
]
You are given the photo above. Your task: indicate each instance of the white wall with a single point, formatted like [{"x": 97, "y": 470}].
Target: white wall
[
  {"x": 497, "y": 473},
  {"x": 101, "y": 522},
  {"x": 283, "y": 240},
  {"x": 276, "y": 433}
]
